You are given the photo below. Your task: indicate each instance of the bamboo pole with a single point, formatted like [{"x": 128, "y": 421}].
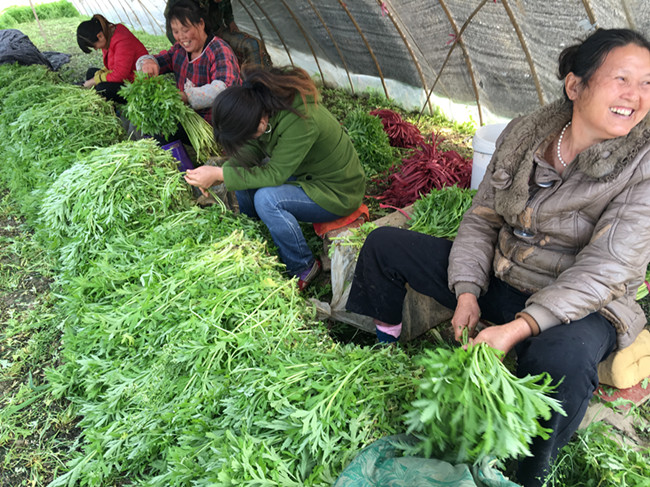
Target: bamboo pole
[
  {"x": 365, "y": 41},
  {"x": 409, "y": 49},
  {"x": 334, "y": 43},
  {"x": 524, "y": 46},
  {"x": 306, "y": 37},
  {"x": 468, "y": 61},
  {"x": 284, "y": 44},
  {"x": 451, "y": 49},
  {"x": 40, "y": 27}
]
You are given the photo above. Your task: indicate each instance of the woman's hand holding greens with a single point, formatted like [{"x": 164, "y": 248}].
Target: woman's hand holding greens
[
  {"x": 466, "y": 315},
  {"x": 504, "y": 337},
  {"x": 204, "y": 177}
]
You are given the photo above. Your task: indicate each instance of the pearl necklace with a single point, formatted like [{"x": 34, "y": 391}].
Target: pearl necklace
[{"x": 559, "y": 143}]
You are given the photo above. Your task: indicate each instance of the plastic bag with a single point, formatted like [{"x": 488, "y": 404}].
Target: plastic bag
[{"x": 381, "y": 465}]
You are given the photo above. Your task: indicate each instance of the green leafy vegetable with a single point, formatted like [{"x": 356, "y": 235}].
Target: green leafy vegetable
[
  {"x": 112, "y": 190},
  {"x": 598, "y": 456},
  {"x": 45, "y": 133},
  {"x": 155, "y": 107},
  {"x": 14, "y": 77},
  {"x": 370, "y": 141},
  {"x": 470, "y": 407},
  {"x": 440, "y": 212},
  {"x": 643, "y": 290}
]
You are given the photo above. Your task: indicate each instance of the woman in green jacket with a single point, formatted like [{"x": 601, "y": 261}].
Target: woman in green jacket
[{"x": 290, "y": 160}]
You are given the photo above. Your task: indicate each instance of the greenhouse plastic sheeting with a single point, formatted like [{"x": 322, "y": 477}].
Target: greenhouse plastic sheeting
[{"x": 499, "y": 55}]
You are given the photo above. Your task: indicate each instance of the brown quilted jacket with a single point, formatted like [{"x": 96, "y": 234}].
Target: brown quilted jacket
[{"x": 578, "y": 243}]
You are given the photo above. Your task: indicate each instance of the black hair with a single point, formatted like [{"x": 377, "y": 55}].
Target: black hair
[
  {"x": 88, "y": 31},
  {"x": 188, "y": 13},
  {"x": 584, "y": 59},
  {"x": 237, "y": 111}
]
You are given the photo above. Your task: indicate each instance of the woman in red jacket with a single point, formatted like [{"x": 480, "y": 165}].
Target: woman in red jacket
[{"x": 120, "y": 48}]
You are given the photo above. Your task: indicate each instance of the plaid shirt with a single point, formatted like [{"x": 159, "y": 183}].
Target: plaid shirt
[{"x": 216, "y": 62}]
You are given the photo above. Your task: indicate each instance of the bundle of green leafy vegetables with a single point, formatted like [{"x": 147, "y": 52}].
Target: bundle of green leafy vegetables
[
  {"x": 440, "y": 212},
  {"x": 370, "y": 141},
  {"x": 155, "y": 107},
  {"x": 471, "y": 407},
  {"x": 45, "y": 133},
  {"x": 109, "y": 191}
]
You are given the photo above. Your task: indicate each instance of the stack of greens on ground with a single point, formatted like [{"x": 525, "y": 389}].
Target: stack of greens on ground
[
  {"x": 45, "y": 127},
  {"x": 370, "y": 141}
]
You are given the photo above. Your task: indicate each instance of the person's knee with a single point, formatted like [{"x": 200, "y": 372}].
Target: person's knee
[
  {"x": 574, "y": 373},
  {"x": 267, "y": 202},
  {"x": 264, "y": 199},
  {"x": 379, "y": 236}
]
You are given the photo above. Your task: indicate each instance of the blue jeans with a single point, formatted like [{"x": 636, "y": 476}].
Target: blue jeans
[{"x": 281, "y": 208}]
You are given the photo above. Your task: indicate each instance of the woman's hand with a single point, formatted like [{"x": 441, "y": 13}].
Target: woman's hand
[
  {"x": 466, "y": 315},
  {"x": 204, "y": 176},
  {"x": 184, "y": 97},
  {"x": 89, "y": 83},
  {"x": 150, "y": 67},
  {"x": 504, "y": 337}
]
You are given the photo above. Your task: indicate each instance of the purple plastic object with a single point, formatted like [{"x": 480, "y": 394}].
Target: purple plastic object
[{"x": 180, "y": 154}]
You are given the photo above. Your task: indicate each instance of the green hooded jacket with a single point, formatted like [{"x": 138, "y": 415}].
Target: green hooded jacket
[{"x": 315, "y": 150}]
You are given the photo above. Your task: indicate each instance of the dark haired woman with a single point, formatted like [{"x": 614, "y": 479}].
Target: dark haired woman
[
  {"x": 249, "y": 50},
  {"x": 556, "y": 242},
  {"x": 290, "y": 160},
  {"x": 203, "y": 65},
  {"x": 120, "y": 48}
]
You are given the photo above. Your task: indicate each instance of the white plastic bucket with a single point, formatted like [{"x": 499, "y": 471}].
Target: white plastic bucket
[{"x": 483, "y": 144}]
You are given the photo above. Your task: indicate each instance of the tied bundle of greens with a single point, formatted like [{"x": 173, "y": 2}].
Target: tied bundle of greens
[
  {"x": 370, "y": 141},
  {"x": 471, "y": 407},
  {"x": 155, "y": 107},
  {"x": 439, "y": 213}
]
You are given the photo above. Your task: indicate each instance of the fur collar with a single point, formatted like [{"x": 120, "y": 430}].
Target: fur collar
[{"x": 513, "y": 159}]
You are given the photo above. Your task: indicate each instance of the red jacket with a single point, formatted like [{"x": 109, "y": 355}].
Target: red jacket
[{"x": 123, "y": 51}]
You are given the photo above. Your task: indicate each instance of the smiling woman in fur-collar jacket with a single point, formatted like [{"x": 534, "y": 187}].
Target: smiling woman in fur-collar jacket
[{"x": 556, "y": 242}]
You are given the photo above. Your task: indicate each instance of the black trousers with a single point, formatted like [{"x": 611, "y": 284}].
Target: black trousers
[
  {"x": 392, "y": 257},
  {"x": 107, "y": 89}
]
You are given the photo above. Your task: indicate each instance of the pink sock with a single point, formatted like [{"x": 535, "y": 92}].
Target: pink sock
[{"x": 392, "y": 330}]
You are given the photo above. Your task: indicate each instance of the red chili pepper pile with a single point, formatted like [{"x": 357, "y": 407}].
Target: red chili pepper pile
[
  {"x": 426, "y": 168},
  {"x": 400, "y": 132}
]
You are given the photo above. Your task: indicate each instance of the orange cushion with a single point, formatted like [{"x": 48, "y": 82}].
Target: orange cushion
[{"x": 322, "y": 228}]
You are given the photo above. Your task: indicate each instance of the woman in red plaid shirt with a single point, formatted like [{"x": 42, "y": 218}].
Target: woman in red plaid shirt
[{"x": 203, "y": 65}]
